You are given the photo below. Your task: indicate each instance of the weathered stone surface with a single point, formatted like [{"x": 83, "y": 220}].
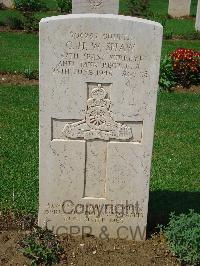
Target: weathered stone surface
[
  {"x": 7, "y": 3},
  {"x": 98, "y": 90},
  {"x": 197, "y": 25},
  {"x": 95, "y": 6},
  {"x": 179, "y": 8}
]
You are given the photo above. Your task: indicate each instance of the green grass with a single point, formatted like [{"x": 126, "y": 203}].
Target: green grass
[
  {"x": 19, "y": 148},
  {"x": 169, "y": 45},
  {"x": 158, "y": 7},
  {"x": 175, "y": 169},
  {"x": 51, "y": 4},
  {"x": 15, "y": 13},
  {"x": 123, "y": 7},
  {"x": 175, "y": 180},
  {"x": 9, "y": 12},
  {"x": 181, "y": 27},
  {"x": 177, "y": 143},
  {"x": 161, "y": 7},
  {"x": 18, "y": 51}
]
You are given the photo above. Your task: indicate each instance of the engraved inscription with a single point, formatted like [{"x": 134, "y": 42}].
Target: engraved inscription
[
  {"x": 91, "y": 54},
  {"x": 95, "y": 3},
  {"x": 98, "y": 122}
]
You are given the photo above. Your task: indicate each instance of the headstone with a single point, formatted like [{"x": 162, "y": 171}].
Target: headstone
[
  {"x": 197, "y": 25},
  {"x": 95, "y": 6},
  {"x": 98, "y": 90},
  {"x": 7, "y": 3},
  {"x": 179, "y": 8}
]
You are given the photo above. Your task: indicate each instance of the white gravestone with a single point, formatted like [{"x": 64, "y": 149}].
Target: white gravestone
[
  {"x": 197, "y": 25},
  {"x": 95, "y": 6},
  {"x": 179, "y": 8},
  {"x": 98, "y": 90}
]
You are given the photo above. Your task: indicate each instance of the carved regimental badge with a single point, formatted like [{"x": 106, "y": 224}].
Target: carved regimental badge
[
  {"x": 98, "y": 122},
  {"x": 95, "y": 3}
]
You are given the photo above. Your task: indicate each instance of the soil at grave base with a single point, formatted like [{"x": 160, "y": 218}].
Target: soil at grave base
[
  {"x": 16, "y": 79},
  {"x": 182, "y": 18},
  {"x": 8, "y": 29},
  {"x": 192, "y": 89},
  {"x": 92, "y": 251},
  {"x": 84, "y": 251}
]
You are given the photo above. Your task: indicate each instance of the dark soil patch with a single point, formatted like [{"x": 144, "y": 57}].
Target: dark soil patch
[
  {"x": 194, "y": 37},
  {"x": 183, "y": 17},
  {"x": 83, "y": 251},
  {"x": 8, "y": 29},
  {"x": 14, "y": 222},
  {"x": 192, "y": 89},
  {"x": 16, "y": 79},
  {"x": 91, "y": 251},
  {"x": 5, "y": 28},
  {"x": 9, "y": 249}
]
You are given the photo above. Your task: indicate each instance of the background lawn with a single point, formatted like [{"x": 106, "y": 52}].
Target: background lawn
[
  {"x": 175, "y": 178},
  {"x": 161, "y": 6},
  {"x": 175, "y": 172},
  {"x": 169, "y": 45},
  {"x": 51, "y": 4},
  {"x": 19, "y": 148},
  {"x": 18, "y": 51},
  {"x": 158, "y": 8},
  {"x": 180, "y": 27}
]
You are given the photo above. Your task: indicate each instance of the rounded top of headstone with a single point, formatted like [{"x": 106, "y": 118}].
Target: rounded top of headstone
[{"x": 117, "y": 18}]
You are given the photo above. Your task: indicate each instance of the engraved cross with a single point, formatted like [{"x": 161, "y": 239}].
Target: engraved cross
[{"x": 98, "y": 128}]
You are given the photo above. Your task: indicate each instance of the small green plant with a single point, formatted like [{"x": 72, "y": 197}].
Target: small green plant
[
  {"x": 167, "y": 78},
  {"x": 162, "y": 19},
  {"x": 183, "y": 236},
  {"x": 138, "y": 7},
  {"x": 42, "y": 247},
  {"x": 168, "y": 34},
  {"x": 31, "y": 23},
  {"x": 30, "y": 74},
  {"x": 29, "y": 5},
  {"x": 14, "y": 23},
  {"x": 65, "y": 6},
  {"x": 27, "y": 9}
]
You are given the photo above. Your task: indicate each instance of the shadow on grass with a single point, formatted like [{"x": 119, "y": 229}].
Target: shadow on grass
[{"x": 162, "y": 203}]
